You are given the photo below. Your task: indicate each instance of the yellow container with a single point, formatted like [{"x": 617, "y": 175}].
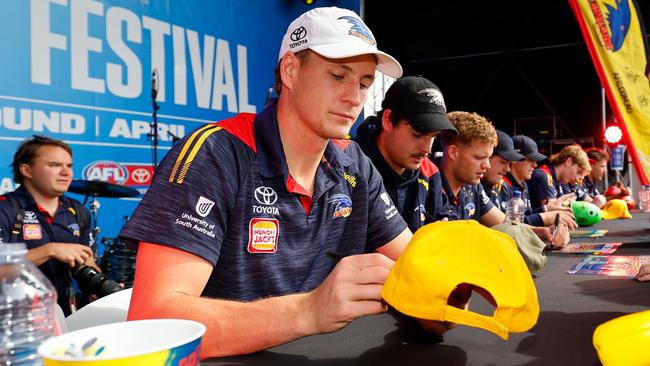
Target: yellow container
[{"x": 156, "y": 342}]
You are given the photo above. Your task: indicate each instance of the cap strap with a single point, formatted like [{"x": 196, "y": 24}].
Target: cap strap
[{"x": 466, "y": 317}]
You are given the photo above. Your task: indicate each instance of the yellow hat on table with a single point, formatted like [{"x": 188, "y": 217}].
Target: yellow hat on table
[
  {"x": 444, "y": 255},
  {"x": 615, "y": 209},
  {"x": 624, "y": 340}
]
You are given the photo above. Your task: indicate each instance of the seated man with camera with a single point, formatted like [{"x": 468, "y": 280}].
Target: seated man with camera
[{"x": 54, "y": 227}]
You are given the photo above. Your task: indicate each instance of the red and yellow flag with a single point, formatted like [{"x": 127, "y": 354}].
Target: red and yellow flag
[{"x": 616, "y": 40}]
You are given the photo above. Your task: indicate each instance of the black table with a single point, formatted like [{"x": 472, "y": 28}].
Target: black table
[{"x": 571, "y": 308}]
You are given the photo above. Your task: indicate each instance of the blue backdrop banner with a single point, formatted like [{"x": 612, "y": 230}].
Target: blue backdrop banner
[{"x": 81, "y": 71}]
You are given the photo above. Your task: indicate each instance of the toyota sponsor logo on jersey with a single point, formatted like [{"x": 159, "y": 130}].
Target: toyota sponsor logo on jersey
[
  {"x": 29, "y": 217},
  {"x": 106, "y": 171},
  {"x": 266, "y": 197}
]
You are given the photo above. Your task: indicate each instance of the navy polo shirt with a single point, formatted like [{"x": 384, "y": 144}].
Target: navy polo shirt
[
  {"x": 415, "y": 193},
  {"x": 543, "y": 185},
  {"x": 578, "y": 189},
  {"x": 224, "y": 193},
  {"x": 590, "y": 186},
  {"x": 471, "y": 203},
  {"x": 39, "y": 229},
  {"x": 496, "y": 194}
]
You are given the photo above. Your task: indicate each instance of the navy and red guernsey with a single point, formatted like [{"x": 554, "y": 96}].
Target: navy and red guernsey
[
  {"x": 543, "y": 185},
  {"x": 224, "y": 193},
  {"x": 39, "y": 228},
  {"x": 590, "y": 186},
  {"x": 509, "y": 185},
  {"x": 471, "y": 203}
]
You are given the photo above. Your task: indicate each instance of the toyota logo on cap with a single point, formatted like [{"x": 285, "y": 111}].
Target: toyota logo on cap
[
  {"x": 265, "y": 195},
  {"x": 298, "y": 34}
]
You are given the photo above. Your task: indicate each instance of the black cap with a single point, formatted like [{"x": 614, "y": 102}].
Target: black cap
[
  {"x": 506, "y": 149},
  {"x": 420, "y": 102},
  {"x": 528, "y": 147}
]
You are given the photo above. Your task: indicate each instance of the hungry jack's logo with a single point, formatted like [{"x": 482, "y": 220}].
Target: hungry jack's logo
[{"x": 263, "y": 235}]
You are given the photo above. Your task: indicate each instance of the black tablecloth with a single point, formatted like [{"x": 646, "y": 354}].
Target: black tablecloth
[{"x": 571, "y": 308}]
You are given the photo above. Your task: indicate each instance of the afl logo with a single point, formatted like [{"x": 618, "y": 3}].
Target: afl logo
[
  {"x": 265, "y": 195},
  {"x": 106, "y": 171},
  {"x": 298, "y": 34}
]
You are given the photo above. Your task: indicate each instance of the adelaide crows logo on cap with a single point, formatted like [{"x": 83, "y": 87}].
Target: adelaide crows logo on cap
[
  {"x": 436, "y": 96},
  {"x": 359, "y": 29}
]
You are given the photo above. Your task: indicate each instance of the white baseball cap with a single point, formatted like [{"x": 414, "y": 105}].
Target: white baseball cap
[{"x": 336, "y": 33}]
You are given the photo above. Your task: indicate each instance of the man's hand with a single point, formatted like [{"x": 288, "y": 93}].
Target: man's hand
[
  {"x": 599, "y": 200},
  {"x": 71, "y": 254},
  {"x": 644, "y": 273},
  {"x": 566, "y": 218},
  {"x": 563, "y": 203},
  {"x": 557, "y": 238},
  {"x": 352, "y": 289}
]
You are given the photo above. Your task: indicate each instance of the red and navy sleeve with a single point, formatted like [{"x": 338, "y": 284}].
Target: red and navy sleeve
[
  {"x": 193, "y": 193},
  {"x": 540, "y": 188}
]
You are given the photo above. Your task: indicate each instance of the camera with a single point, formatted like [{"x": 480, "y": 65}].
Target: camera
[{"x": 91, "y": 281}]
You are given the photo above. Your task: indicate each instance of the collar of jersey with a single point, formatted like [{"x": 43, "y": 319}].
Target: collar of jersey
[
  {"x": 26, "y": 200},
  {"x": 515, "y": 185},
  {"x": 367, "y": 136}
]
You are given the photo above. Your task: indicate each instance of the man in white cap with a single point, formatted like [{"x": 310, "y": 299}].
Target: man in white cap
[{"x": 238, "y": 228}]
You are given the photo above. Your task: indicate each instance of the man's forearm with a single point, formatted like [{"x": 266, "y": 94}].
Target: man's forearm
[
  {"x": 39, "y": 255},
  {"x": 234, "y": 327}
]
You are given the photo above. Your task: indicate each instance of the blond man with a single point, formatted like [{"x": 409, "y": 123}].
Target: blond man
[
  {"x": 465, "y": 160},
  {"x": 548, "y": 182}
]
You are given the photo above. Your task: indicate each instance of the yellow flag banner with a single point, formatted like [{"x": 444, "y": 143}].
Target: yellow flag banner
[{"x": 616, "y": 40}]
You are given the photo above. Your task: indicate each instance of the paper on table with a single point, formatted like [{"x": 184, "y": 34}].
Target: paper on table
[
  {"x": 587, "y": 233},
  {"x": 610, "y": 265},
  {"x": 594, "y": 248}
]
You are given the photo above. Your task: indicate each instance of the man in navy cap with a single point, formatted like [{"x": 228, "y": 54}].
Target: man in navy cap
[
  {"x": 520, "y": 171},
  {"x": 492, "y": 181},
  {"x": 398, "y": 141}
]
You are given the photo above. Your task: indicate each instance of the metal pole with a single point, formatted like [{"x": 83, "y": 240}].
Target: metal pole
[{"x": 604, "y": 121}]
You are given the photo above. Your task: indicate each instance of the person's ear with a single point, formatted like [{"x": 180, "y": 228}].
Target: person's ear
[
  {"x": 386, "y": 123},
  {"x": 453, "y": 151},
  {"x": 568, "y": 161},
  {"x": 26, "y": 170},
  {"x": 289, "y": 68}
]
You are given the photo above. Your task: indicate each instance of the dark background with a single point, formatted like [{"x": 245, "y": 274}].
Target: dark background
[{"x": 506, "y": 60}]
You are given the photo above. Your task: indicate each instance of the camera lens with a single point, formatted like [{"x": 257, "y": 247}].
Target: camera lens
[{"x": 91, "y": 281}]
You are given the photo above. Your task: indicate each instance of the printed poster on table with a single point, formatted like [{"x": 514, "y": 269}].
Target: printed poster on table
[
  {"x": 593, "y": 248},
  {"x": 610, "y": 265}
]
